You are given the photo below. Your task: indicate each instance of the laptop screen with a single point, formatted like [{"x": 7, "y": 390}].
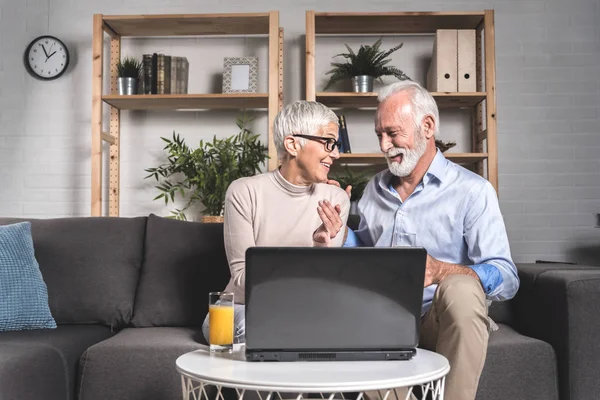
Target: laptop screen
[{"x": 327, "y": 299}]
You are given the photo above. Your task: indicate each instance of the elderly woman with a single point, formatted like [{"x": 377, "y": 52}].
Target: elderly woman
[{"x": 290, "y": 206}]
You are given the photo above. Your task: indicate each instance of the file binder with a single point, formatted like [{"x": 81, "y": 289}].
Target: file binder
[{"x": 443, "y": 71}]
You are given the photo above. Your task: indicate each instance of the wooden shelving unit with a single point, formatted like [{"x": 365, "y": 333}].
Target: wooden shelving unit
[
  {"x": 369, "y": 100},
  {"x": 378, "y": 158},
  {"x": 481, "y": 103},
  {"x": 187, "y": 101},
  {"x": 164, "y": 25}
]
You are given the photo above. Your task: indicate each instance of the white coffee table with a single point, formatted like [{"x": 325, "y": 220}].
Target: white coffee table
[{"x": 200, "y": 369}]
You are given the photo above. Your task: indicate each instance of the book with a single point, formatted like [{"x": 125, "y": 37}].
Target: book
[{"x": 343, "y": 135}]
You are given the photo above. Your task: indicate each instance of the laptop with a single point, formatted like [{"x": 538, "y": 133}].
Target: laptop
[{"x": 333, "y": 304}]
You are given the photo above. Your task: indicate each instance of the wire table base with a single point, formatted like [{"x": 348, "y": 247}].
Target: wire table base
[{"x": 198, "y": 390}]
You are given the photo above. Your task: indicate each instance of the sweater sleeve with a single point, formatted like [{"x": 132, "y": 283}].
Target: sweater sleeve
[{"x": 238, "y": 233}]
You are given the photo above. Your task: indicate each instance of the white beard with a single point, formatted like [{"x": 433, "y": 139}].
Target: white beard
[{"x": 410, "y": 158}]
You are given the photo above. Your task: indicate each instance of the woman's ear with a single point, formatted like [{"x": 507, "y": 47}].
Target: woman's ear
[{"x": 291, "y": 146}]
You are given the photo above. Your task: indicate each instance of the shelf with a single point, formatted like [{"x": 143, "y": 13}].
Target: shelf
[
  {"x": 188, "y": 24},
  {"x": 378, "y": 158},
  {"x": 188, "y": 101},
  {"x": 395, "y": 23},
  {"x": 369, "y": 100}
]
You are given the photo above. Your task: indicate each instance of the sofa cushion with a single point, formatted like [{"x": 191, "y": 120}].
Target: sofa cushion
[
  {"x": 31, "y": 372},
  {"x": 137, "y": 363},
  {"x": 183, "y": 262},
  {"x": 53, "y": 355},
  {"x": 518, "y": 367},
  {"x": 23, "y": 292},
  {"x": 90, "y": 265}
]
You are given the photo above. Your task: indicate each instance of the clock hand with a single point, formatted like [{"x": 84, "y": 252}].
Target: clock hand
[
  {"x": 51, "y": 54},
  {"x": 45, "y": 52}
]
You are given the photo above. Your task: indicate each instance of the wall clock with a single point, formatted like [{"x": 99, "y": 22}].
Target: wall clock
[{"x": 46, "y": 57}]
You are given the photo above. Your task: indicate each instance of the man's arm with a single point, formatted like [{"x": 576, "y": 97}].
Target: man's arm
[
  {"x": 487, "y": 243},
  {"x": 437, "y": 270}
]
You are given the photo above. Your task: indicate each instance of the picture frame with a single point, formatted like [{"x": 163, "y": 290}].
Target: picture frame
[{"x": 240, "y": 75}]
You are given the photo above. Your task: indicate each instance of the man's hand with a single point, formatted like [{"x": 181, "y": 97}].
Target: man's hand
[
  {"x": 336, "y": 183},
  {"x": 332, "y": 223},
  {"x": 436, "y": 270},
  {"x": 433, "y": 272}
]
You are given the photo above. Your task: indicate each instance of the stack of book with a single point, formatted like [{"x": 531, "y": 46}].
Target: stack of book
[{"x": 165, "y": 74}]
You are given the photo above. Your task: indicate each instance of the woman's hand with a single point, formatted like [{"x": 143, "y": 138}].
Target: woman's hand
[{"x": 332, "y": 223}]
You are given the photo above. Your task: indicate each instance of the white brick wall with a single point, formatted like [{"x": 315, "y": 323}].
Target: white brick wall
[{"x": 548, "y": 90}]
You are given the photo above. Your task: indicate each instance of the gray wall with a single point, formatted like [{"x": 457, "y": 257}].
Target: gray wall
[{"x": 548, "y": 91}]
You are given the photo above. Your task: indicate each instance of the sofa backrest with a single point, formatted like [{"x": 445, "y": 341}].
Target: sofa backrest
[
  {"x": 91, "y": 266},
  {"x": 183, "y": 262}
]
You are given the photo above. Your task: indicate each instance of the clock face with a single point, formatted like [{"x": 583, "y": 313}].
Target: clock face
[{"x": 46, "y": 57}]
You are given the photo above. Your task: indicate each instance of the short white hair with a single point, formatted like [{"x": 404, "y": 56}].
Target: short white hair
[
  {"x": 422, "y": 101},
  {"x": 300, "y": 118}
]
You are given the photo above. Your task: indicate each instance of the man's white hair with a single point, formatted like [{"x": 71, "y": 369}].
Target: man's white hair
[
  {"x": 300, "y": 118},
  {"x": 422, "y": 101}
]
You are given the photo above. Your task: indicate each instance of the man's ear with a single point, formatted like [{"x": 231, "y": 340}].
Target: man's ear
[
  {"x": 428, "y": 126},
  {"x": 291, "y": 146}
]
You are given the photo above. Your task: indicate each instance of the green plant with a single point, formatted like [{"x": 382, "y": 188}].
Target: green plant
[
  {"x": 208, "y": 170},
  {"x": 358, "y": 181},
  {"x": 130, "y": 67},
  {"x": 369, "y": 60}
]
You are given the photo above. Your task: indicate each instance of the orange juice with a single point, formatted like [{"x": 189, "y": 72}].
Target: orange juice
[{"x": 220, "y": 322}]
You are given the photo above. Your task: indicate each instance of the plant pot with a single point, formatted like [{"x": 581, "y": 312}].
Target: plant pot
[
  {"x": 211, "y": 219},
  {"x": 128, "y": 86},
  {"x": 362, "y": 83}
]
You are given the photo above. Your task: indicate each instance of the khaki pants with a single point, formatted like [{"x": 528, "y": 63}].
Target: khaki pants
[{"x": 456, "y": 327}]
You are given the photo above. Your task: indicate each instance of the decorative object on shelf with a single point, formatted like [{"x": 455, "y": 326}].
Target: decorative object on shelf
[
  {"x": 343, "y": 135},
  {"x": 240, "y": 75},
  {"x": 363, "y": 67},
  {"x": 46, "y": 58},
  {"x": 208, "y": 170},
  {"x": 129, "y": 71},
  {"x": 358, "y": 181},
  {"x": 444, "y": 146},
  {"x": 165, "y": 74}
]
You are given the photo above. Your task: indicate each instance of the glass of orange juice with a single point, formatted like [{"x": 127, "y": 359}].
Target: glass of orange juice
[{"x": 220, "y": 321}]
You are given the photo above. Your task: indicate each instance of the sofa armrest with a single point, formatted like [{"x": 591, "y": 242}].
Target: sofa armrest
[{"x": 557, "y": 304}]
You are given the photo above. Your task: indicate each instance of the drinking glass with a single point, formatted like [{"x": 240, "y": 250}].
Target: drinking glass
[{"x": 220, "y": 321}]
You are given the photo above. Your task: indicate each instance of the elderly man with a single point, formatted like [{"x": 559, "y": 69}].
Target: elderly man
[{"x": 423, "y": 199}]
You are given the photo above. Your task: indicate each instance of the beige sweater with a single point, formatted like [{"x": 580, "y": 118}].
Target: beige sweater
[{"x": 267, "y": 210}]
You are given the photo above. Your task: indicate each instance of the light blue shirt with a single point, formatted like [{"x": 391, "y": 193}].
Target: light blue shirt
[{"x": 453, "y": 213}]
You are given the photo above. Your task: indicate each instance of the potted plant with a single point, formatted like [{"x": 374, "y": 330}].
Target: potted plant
[
  {"x": 358, "y": 181},
  {"x": 129, "y": 70},
  {"x": 363, "y": 67},
  {"x": 204, "y": 174}
]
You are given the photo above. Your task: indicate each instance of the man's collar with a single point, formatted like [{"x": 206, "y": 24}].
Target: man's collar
[{"x": 437, "y": 168}]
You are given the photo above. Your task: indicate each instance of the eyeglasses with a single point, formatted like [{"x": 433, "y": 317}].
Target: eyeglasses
[{"x": 330, "y": 143}]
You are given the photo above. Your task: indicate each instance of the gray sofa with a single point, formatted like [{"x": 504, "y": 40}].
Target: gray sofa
[{"x": 130, "y": 294}]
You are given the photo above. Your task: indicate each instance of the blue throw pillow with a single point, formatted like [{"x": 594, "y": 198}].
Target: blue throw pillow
[{"x": 23, "y": 292}]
